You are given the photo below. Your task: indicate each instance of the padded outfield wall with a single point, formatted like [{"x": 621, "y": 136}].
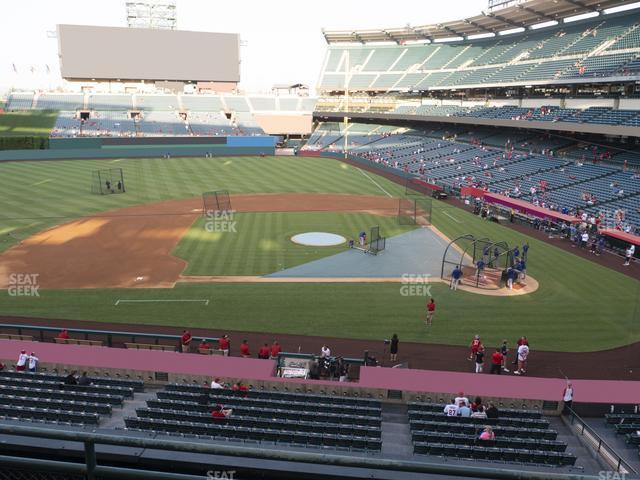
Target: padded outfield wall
[{"x": 78, "y": 148}]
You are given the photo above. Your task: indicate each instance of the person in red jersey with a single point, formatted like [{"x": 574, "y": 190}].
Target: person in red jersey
[
  {"x": 275, "y": 349},
  {"x": 224, "y": 344},
  {"x": 496, "y": 362},
  {"x": 264, "y": 352},
  {"x": 204, "y": 345},
  {"x": 220, "y": 412},
  {"x": 431, "y": 310},
  {"x": 239, "y": 387},
  {"x": 63, "y": 335},
  {"x": 476, "y": 343},
  {"x": 244, "y": 349},
  {"x": 185, "y": 340}
]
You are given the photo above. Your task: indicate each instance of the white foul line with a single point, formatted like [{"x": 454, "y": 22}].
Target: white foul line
[
  {"x": 376, "y": 183},
  {"x": 452, "y": 218},
  {"x": 119, "y": 301}
]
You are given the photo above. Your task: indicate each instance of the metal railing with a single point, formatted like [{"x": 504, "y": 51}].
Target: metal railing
[
  {"x": 109, "y": 335},
  {"x": 602, "y": 448},
  {"x": 92, "y": 470}
]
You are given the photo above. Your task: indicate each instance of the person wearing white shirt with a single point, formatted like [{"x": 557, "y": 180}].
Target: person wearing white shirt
[
  {"x": 523, "y": 353},
  {"x": 33, "y": 363},
  {"x": 451, "y": 409},
  {"x": 325, "y": 352},
  {"x": 460, "y": 399},
  {"x": 215, "y": 384},
  {"x": 21, "y": 364},
  {"x": 567, "y": 396},
  {"x": 628, "y": 255}
]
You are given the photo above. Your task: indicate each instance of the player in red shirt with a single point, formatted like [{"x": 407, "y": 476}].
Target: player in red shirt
[
  {"x": 264, "y": 352},
  {"x": 244, "y": 349},
  {"x": 185, "y": 340},
  {"x": 64, "y": 335},
  {"x": 496, "y": 361},
  {"x": 275, "y": 349},
  {"x": 224, "y": 344},
  {"x": 431, "y": 309},
  {"x": 204, "y": 345},
  {"x": 476, "y": 343}
]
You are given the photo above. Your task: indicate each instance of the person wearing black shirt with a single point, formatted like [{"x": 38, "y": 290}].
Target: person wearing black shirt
[
  {"x": 71, "y": 379},
  {"x": 393, "y": 348}
]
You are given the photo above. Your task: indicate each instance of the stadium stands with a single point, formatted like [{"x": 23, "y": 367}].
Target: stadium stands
[{"x": 590, "y": 49}]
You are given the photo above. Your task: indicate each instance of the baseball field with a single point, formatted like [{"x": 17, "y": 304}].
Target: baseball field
[{"x": 148, "y": 256}]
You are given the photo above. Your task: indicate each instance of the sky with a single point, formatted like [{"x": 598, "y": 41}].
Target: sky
[{"x": 282, "y": 39}]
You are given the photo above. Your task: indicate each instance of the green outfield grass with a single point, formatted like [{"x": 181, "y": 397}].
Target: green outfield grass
[
  {"x": 27, "y": 123},
  {"x": 37, "y": 195},
  {"x": 260, "y": 243},
  {"x": 580, "y": 306}
]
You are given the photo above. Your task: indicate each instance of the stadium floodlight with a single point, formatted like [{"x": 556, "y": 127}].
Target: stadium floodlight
[{"x": 159, "y": 14}]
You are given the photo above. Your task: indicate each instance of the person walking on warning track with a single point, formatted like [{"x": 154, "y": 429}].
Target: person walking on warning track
[
  {"x": 455, "y": 277},
  {"x": 431, "y": 310}
]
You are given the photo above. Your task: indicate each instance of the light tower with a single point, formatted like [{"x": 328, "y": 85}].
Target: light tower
[{"x": 159, "y": 14}]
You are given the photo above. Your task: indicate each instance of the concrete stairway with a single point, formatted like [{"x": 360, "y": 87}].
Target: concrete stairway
[{"x": 396, "y": 436}]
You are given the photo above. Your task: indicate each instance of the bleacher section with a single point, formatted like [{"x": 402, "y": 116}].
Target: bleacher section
[
  {"x": 44, "y": 397},
  {"x": 597, "y": 48},
  {"x": 521, "y": 436},
  {"x": 476, "y": 156},
  {"x": 302, "y": 419}
]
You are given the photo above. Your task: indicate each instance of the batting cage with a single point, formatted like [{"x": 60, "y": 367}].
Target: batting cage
[
  {"x": 377, "y": 242},
  {"x": 483, "y": 262},
  {"x": 217, "y": 201},
  {"x": 107, "y": 181},
  {"x": 414, "y": 211}
]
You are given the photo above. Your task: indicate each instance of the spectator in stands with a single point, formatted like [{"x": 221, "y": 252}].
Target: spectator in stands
[
  {"x": 71, "y": 379},
  {"x": 2, "y": 366},
  {"x": 84, "y": 379},
  {"x": 33, "y": 363},
  {"x": 220, "y": 412},
  {"x": 204, "y": 345},
  {"x": 456, "y": 274},
  {"x": 464, "y": 410},
  {"x": 496, "y": 362},
  {"x": 216, "y": 384},
  {"x": 275, "y": 349},
  {"x": 393, "y": 348},
  {"x": 487, "y": 434},
  {"x": 479, "y": 413},
  {"x": 244, "y": 349},
  {"x": 480, "y": 359},
  {"x": 325, "y": 352},
  {"x": 63, "y": 335},
  {"x": 239, "y": 387},
  {"x": 223, "y": 344},
  {"x": 477, "y": 403},
  {"x": 460, "y": 398},
  {"x": 451, "y": 409},
  {"x": 264, "y": 352},
  {"x": 492, "y": 411},
  {"x": 23, "y": 359},
  {"x": 567, "y": 396},
  {"x": 185, "y": 341}
]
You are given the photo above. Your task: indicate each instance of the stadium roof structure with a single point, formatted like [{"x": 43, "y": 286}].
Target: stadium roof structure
[{"x": 521, "y": 15}]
